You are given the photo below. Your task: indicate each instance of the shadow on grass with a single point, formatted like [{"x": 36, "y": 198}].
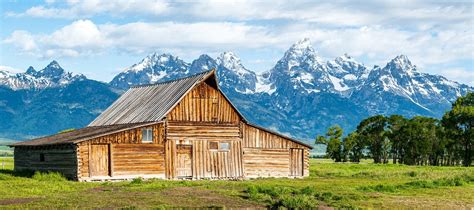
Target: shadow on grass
[{"x": 22, "y": 173}]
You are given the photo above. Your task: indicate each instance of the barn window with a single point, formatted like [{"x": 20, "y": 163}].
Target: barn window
[
  {"x": 213, "y": 145},
  {"x": 41, "y": 157},
  {"x": 147, "y": 135},
  {"x": 224, "y": 146}
]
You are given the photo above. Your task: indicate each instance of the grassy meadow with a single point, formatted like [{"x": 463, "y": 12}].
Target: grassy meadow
[{"x": 364, "y": 185}]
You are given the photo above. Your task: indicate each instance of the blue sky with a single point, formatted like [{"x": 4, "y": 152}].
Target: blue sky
[{"x": 101, "y": 38}]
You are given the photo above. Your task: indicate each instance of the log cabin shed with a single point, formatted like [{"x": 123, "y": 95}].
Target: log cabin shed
[{"x": 181, "y": 129}]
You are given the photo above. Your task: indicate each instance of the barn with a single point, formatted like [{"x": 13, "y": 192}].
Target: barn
[{"x": 180, "y": 129}]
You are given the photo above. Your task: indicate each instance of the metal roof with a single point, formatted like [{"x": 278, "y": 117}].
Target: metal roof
[
  {"x": 80, "y": 135},
  {"x": 148, "y": 103}
]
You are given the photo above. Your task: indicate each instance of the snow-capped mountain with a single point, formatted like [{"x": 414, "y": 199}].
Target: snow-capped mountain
[
  {"x": 302, "y": 95},
  {"x": 154, "y": 68},
  {"x": 233, "y": 75},
  {"x": 400, "y": 80},
  {"x": 36, "y": 103},
  {"x": 53, "y": 75}
]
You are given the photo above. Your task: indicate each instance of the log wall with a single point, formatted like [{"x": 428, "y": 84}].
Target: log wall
[
  {"x": 60, "y": 158},
  {"x": 129, "y": 156},
  {"x": 266, "y": 162},
  {"x": 261, "y": 140}
]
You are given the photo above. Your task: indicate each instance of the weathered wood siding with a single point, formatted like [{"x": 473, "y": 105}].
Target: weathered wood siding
[
  {"x": 132, "y": 159},
  {"x": 266, "y": 162},
  {"x": 128, "y": 155},
  {"x": 60, "y": 158},
  {"x": 204, "y": 104},
  {"x": 260, "y": 140},
  {"x": 206, "y": 162}
]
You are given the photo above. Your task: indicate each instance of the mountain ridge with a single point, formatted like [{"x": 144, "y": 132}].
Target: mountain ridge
[{"x": 301, "y": 95}]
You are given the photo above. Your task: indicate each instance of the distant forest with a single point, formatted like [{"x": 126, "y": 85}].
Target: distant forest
[{"x": 416, "y": 141}]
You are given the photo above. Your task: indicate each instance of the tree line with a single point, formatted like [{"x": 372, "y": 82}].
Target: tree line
[{"x": 415, "y": 141}]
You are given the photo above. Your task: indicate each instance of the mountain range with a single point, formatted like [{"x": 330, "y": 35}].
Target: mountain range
[{"x": 301, "y": 96}]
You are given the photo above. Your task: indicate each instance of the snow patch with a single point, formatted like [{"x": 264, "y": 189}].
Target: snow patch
[
  {"x": 349, "y": 77},
  {"x": 338, "y": 84}
]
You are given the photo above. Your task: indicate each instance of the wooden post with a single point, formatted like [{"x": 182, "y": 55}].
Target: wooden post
[
  {"x": 90, "y": 159},
  {"x": 111, "y": 160}
]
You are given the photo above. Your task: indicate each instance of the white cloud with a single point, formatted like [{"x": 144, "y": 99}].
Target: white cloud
[
  {"x": 83, "y": 37},
  {"x": 429, "y": 32},
  {"x": 89, "y": 8},
  {"x": 23, "y": 40},
  {"x": 10, "y": 69},
  {"x": 459, "y": 74},
  {"x": 377, "y": 43}
]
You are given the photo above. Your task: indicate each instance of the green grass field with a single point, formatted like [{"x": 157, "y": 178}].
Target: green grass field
[{"x": 362, "y": 185}]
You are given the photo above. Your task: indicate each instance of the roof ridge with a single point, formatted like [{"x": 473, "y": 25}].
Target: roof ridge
[{"x": 175, "y": 80}]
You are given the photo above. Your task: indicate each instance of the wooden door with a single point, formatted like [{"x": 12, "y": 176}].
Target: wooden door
[
  {"x": 296, "y": 162},
  {"x": 99, "y": 160},
  {"x": 184, "y": 161}
]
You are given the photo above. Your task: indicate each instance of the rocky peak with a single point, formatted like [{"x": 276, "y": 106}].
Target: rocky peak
[
  {"x": 31, "y": 70},
  {"x": 401, "y": 63},
  {"x": 203, "y": 63},
  {"x": 301, "y": 53},
  {"x": 231, "y": 61},
  {"x": 52, "y": 70}
]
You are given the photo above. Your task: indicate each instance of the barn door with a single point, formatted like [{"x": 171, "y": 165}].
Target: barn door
[
  {"x": 99, "y": 160},
  {"x": 296, "y": 162},
  {"x": 184, "y": 161}
]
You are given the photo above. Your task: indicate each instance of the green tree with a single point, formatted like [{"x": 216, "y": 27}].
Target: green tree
[
  {"x": 373, "y": 130},
  {"x": 395, "y": 122},
  {"x": 420, "y": 136},
  {"x": 332, "y": 140},
  {"x": 458, "y": 124},
  {"x": 353, "y": 146}
]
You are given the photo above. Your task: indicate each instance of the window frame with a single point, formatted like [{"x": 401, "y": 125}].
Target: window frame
[
  {"x": 219, "y": 146},
  {"x": 213, "y": 148},
  {"x": 225, "y": 149},
  {"x": 147, "y": 135}
]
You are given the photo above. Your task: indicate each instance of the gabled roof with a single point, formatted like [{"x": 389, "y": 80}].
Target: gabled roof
[
  {"x": 150, "y": 103},
  {"x": 80, "y": 135}
]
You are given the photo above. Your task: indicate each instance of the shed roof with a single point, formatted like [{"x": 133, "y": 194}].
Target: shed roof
[{"x": 80, "y": 135}]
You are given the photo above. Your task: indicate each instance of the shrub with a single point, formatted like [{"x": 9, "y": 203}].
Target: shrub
[
  {"x": 412, "y": 174},
  {"x": 137, "y": 180}
]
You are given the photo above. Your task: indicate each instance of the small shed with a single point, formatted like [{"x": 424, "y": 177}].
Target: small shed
[{"x": 181, "y": 129}]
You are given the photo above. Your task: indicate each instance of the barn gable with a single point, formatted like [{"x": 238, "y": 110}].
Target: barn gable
[{"x": 205, "y": 103}]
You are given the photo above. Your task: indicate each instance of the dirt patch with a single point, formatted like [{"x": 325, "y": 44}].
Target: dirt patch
[
  {"x": 104, "y": 189},
  {"x": 324, "y": 206},
  {"x": 16, "y": 201},
  {"x": 198, "y": 197}
]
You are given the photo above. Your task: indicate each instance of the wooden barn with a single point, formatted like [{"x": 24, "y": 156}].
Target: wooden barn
[{"x": 181, "y": 129}]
